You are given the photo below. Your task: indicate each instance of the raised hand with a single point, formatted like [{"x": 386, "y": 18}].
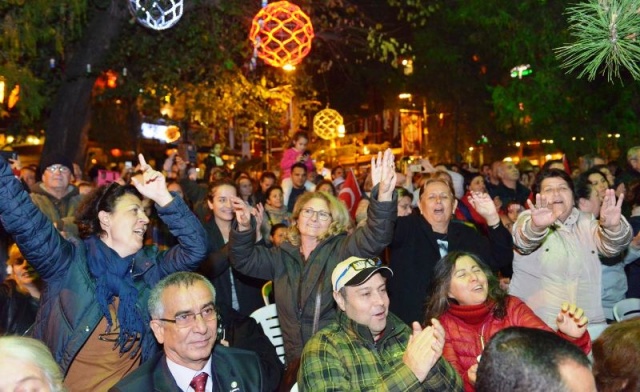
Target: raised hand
[
  {"x": 610, "y": 211},
  {"x": 151, "y": 183},
  {"x": 485, "y": 206},
  {"x": 383, "y": 172},
  {"x": 542, "y": 216},
  {"x": 258, "y": 213},
  {"x": 243, "y": 213},
  {"x": 571, "y": 320}
]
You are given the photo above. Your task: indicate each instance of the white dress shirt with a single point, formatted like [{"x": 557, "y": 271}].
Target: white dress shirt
[{"x": 184, "y": 375}]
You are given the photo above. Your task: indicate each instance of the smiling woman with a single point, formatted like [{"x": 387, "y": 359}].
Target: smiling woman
[
  {"x": 96, "y": 287},
  {"x": 467, "y": 299}
]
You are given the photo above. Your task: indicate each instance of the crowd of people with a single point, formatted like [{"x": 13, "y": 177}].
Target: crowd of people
[{"x": 443, "y": 279}]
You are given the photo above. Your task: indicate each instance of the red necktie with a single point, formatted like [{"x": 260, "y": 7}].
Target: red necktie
[{"x": 199, "y": 382}]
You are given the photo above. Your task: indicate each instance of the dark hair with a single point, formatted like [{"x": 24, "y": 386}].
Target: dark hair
[
  {"x": 299, "y": 164},
  {"x": 276, "y": 227},
  {"x": 299, "y": 135},
  {"x": 330, "y": 183},
  {"x": 217, "y": 184},
  {"x": 333, "y": 170},
  {"x": 402, "y": 192},
  {"x": 526, "y": 359},
  {"x": 103, "y": 198},
  {"x": 551, "y": 173},
  {"x": 582, "y": 187},
  {"x": 438, "y": 298},
  {"x": 616, "y": 354},
  {"x": 266, "y": 175},
  {"x": 267, "y": 194}
]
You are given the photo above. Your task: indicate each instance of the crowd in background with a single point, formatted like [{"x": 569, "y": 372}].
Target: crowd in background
[{"x": 552, "y": 247}]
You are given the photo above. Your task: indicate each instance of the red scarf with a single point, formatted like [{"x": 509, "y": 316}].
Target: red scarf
[{"x": 471, "y": 314}]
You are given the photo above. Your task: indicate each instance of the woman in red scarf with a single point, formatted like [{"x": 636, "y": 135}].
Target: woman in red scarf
[{"x": 471, "y": 306}]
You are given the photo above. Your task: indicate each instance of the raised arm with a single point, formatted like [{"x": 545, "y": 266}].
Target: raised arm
[{"x": 39, "y": 241}]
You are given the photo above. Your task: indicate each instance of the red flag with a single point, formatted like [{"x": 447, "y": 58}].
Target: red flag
[
  {"x": 565, "y": 162},
  {"x": 350, "y": 193}
]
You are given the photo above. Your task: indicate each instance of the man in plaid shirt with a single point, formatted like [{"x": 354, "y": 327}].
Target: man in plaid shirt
[{"x": 368, "y": 348}]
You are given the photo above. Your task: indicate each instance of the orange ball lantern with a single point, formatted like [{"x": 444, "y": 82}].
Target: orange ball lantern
[{"x": 281, "y": 33}]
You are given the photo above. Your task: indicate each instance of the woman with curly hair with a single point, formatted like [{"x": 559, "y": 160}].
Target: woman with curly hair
[
  {"x": 317, "y": 241},
  {"x": 467, "y": 300}
]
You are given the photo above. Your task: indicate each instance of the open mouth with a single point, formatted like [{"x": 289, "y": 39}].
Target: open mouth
[
  {"x": 140, "y": 232},
  {"x": 478, "y": 288}
]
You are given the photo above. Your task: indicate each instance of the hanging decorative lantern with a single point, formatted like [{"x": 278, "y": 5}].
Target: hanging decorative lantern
[
  {"x": 157, "y": 14},
  {"x": 281, "y": 34},
  {"x": 326, "y": 123}
]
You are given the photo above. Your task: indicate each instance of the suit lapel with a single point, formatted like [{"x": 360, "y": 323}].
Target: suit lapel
[{"x": 162, "y": 378}]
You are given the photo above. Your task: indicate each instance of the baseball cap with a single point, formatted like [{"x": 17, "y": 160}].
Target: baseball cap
[{"x": 355, "y": 271}]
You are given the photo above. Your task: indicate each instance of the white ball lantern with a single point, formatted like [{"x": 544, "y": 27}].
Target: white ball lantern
[{"x": 157, "y": 14}]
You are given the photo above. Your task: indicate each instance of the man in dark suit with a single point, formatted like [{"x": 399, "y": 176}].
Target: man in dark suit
[{"x": 184, "y": 320}]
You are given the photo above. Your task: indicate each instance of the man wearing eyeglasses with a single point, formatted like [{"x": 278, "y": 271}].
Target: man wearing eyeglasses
[
  {"x": 184, "y": 321},
  {"x": 55, "y": 196},
  {"x": 368, "y": 348}
]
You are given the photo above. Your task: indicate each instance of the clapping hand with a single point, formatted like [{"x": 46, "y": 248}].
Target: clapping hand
[
  {"x": 424, "y": 348},
  {"x": 610, "y": 211},
  {"x": 383, "y": 172},
  {"x": 243, "y": 213},
  {"x": 542, "y": 216},
  {"x": 151, "y": 184},
  {"x": 571, "y": 320},
  {"x": 485, "y": 206}
]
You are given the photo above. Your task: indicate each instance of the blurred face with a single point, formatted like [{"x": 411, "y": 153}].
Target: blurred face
[
  {"x": 301, "y": 144},
  {"x": 607, "y": 173},
  {"x": 437, "y": 203},
  {"x": 220, "y": 203},
  {"x": 217, "y": 149},
  {"x": 246, "y": 188},
  {"x": 509, "y": 171},
  {"x": 325, "y": 188},
  {"x": 175, "y": 187},
  {"x": 275, "y": 198},
  {"x": 469, "y": 285},
  {"x": 404, "y": 206},
  {"x": 477, "y": 185},
  {"x": 191, "y": 345},
  {"x": 513, "y": 211},
  {"x": 592, "y": 204},
  {"x": 599, "y": 183},
  {"x": 298, "y": 177},
  {"x": 309, "y": 221},
  {"x": 19, "y": 375},
  {"x": 22, "y": 272},
  {"x": 56, "y": 177},
  {"x": 125, "y": 226},
  {"x": 559, "y": 196},
  {"x": 367, "y": 304},
  {"x": 266, "y": 183},
  {"x": 279, "y": 236},
  {"x": 28, "y": 176},
  {"x": 338, "y": 172}
]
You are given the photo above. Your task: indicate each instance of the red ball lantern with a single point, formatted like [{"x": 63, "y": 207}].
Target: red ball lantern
[{"x": 281, "y": 33}]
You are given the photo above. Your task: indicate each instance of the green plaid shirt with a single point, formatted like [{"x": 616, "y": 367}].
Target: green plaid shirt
[{"x": 343, "y": 357}]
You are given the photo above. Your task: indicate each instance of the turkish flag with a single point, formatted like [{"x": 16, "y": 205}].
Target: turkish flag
[{"x": 350, "y": 193}]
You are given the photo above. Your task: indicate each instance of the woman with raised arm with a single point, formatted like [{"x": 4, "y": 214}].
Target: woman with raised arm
[
  {"x": 317, "y": 241},
  {"x": 558, "y": 248},
  {"x": 93, "y": 307}
]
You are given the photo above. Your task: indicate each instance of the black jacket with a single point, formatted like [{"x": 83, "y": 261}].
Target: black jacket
[
  {"x": 232, "y": 369},
  {"x": 414, "y": 253},
  {"x": 218, "y": 270},
  {"x": 17, "y": 310}
]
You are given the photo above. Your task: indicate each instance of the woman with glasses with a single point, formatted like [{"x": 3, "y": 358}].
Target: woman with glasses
[
  {"x": 467, "y": 299},
  {"x": 93, "y": 307},
  {"x": 317, "y": 241}
]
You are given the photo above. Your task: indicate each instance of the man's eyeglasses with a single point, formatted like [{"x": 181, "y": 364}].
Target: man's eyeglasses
[
  {"x": 359, "y": 265},
  {"x": 189, "y": 319},
  {"x": 60, "y": 168},
  {"x": 322, "y": 215}
]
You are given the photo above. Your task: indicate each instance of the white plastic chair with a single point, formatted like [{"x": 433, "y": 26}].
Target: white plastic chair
[
  {"x": 626, "y": 309},
  {"x": 267, "y": 317}
]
